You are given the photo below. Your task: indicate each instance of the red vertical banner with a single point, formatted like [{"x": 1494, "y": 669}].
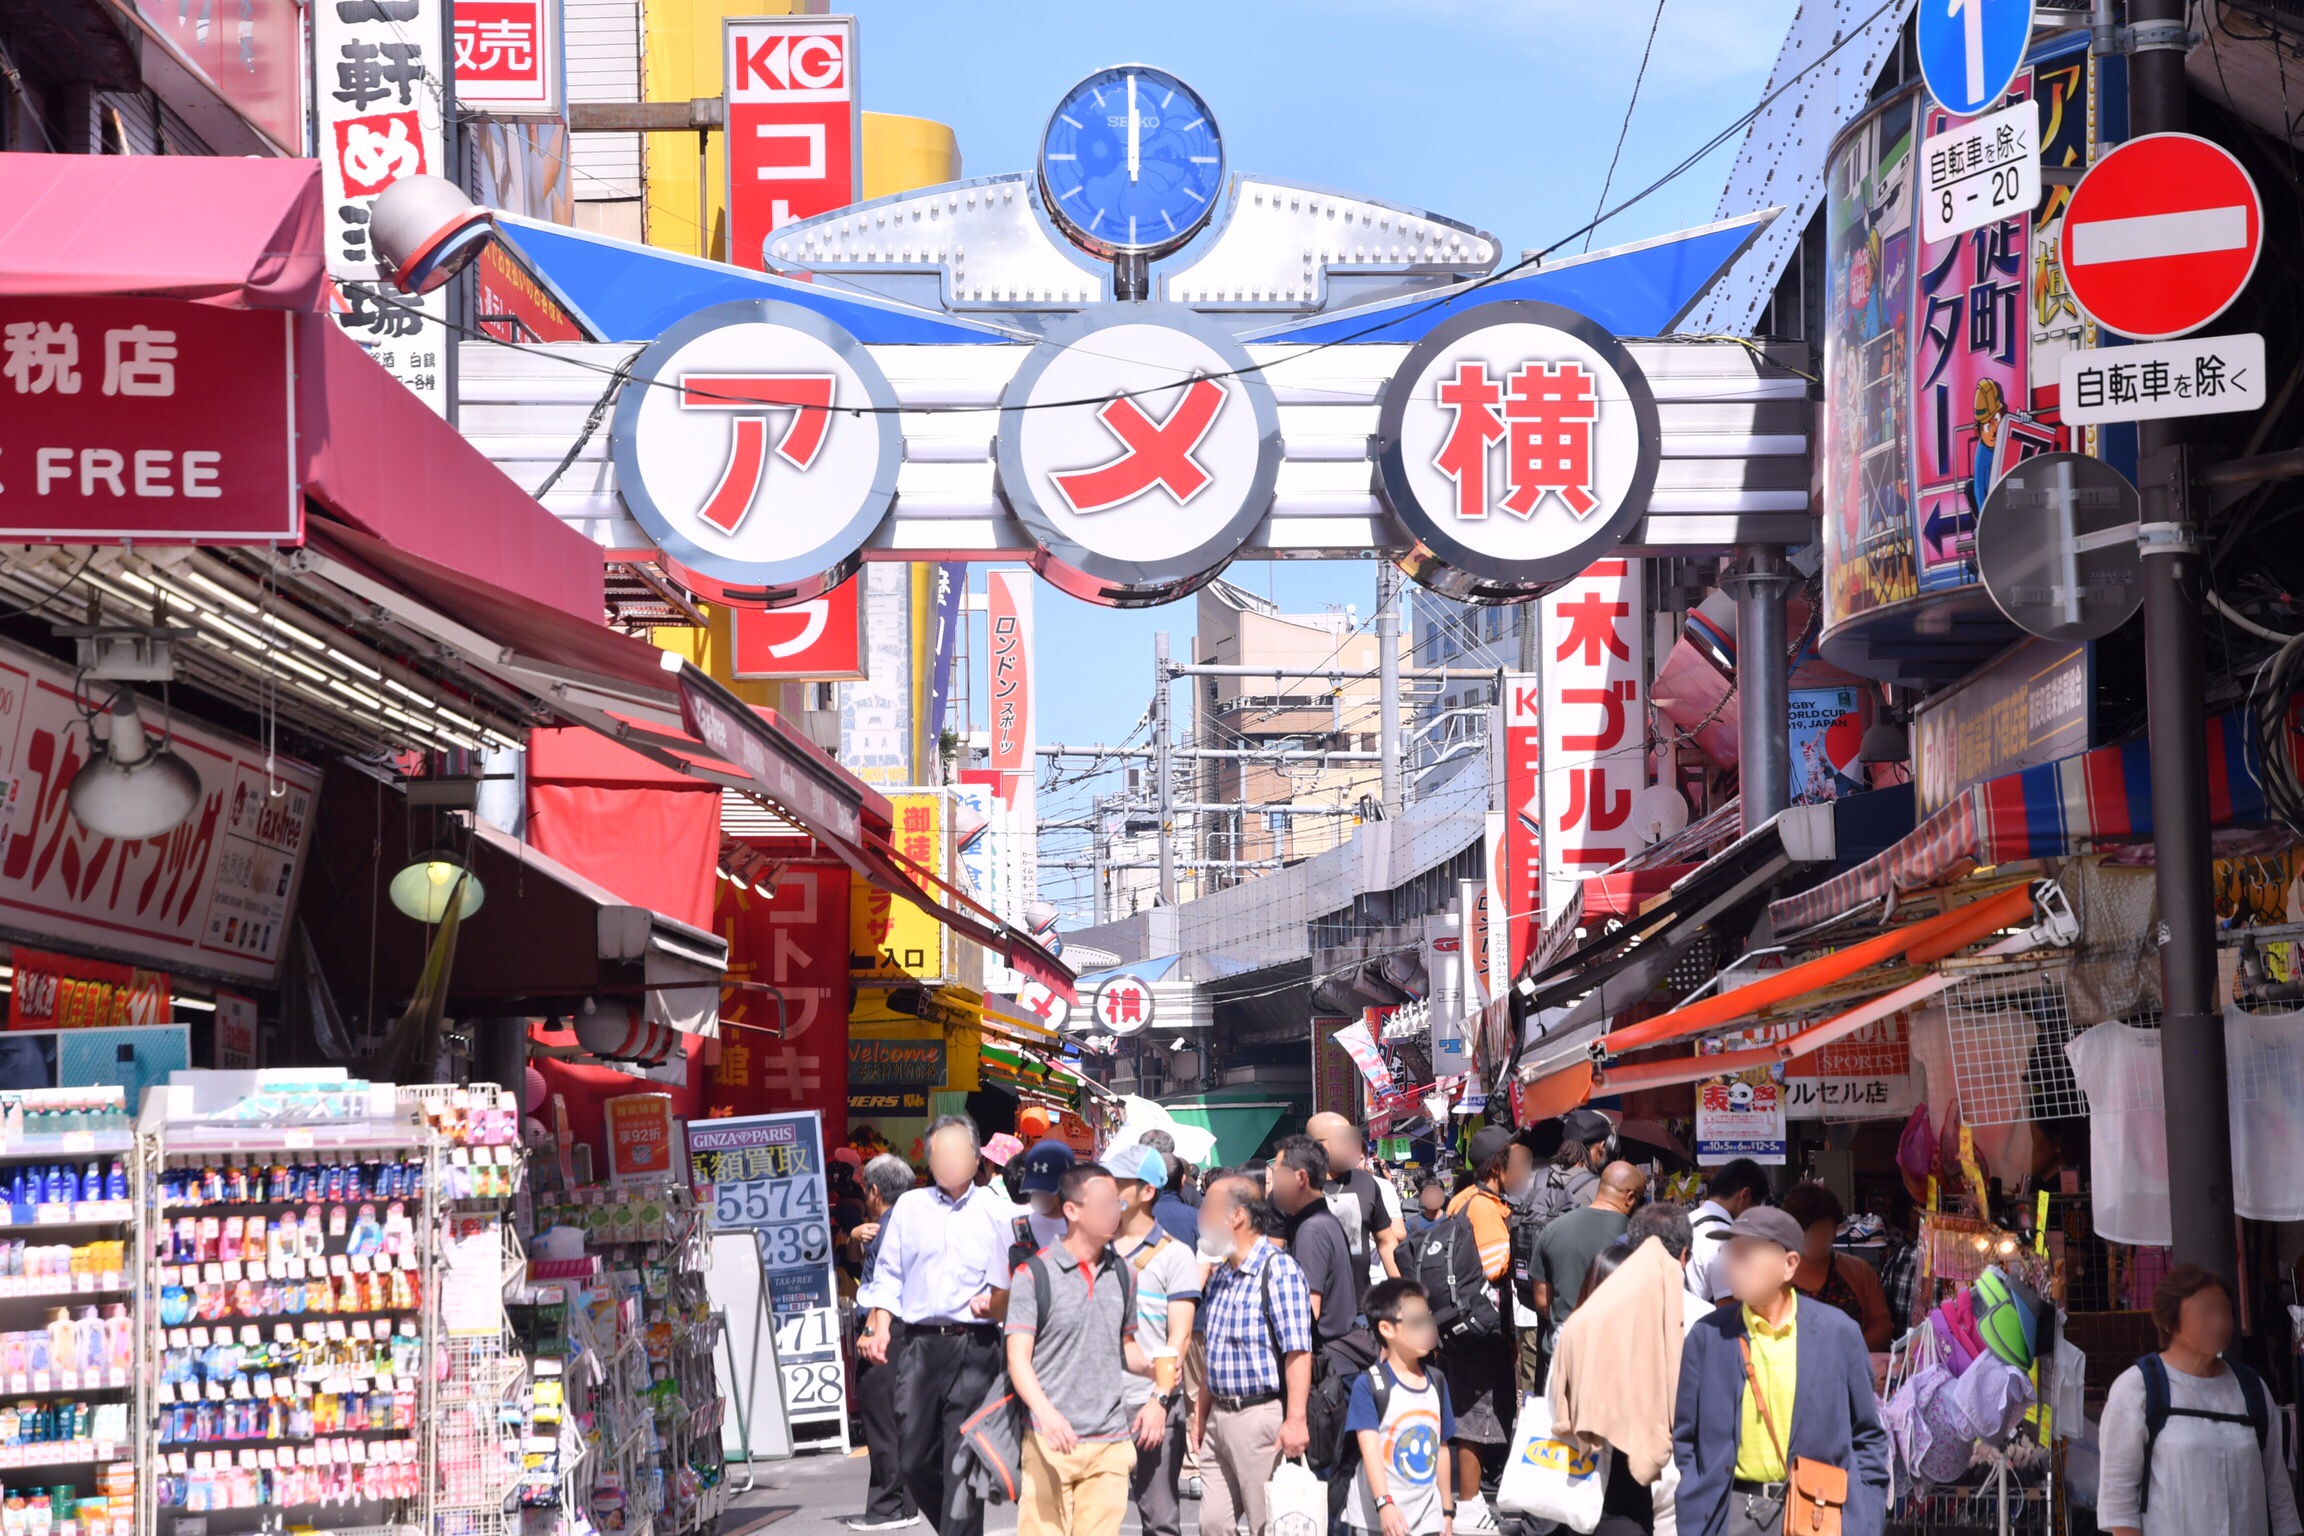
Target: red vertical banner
[
  {"x": 784, "y": 1012},
  {"x": 1520, "y": 859},
  {"x": 1008, "y": 671},
  {"x": 1595, "y": 746},
  {"x": 795, "y": 125}
]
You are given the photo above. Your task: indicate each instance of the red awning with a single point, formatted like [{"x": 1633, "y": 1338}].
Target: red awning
[{"x": 244, "y": 234}]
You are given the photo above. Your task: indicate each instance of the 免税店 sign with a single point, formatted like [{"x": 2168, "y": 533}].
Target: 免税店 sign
[{"x": 147, "y": 419}]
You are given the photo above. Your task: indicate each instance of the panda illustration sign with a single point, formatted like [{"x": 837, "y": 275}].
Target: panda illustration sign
[{"x": 1740, "y": 1116}]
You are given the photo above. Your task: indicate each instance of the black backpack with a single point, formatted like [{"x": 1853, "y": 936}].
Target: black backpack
[
  {"x": 2158, "y": 1410},
  {"x": 1344, "y": 1450},
  {"x": 1334, "y": 1369},
  {"x": 1447, "y": 1264}
]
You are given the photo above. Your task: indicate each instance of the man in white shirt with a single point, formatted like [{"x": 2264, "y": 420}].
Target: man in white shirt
[{"x": 1734, "y": 1188}]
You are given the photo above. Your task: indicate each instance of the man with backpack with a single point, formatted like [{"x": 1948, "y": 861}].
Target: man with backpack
[
  {"x": 1071, "y": 1344},
  {"x": 1734, "y": 1188},
  {"x": 1167, "y": 1280},
  {"x": 1475, "y": 1354}
]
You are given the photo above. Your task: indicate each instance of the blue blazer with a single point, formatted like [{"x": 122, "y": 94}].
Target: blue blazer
[{"x": 1835, "y": 1416}]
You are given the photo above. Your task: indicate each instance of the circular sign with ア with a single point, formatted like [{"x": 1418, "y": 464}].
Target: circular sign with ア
[
  {"x": 1138, "y": 448},
  {"x": 757, "y": 443},
  {"x": 1124, "y": 1005},
  {"x": 1516, "y": 444}
]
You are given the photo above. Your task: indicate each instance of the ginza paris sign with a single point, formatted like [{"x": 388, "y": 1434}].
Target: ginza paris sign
[{"x": 1517, "y": 444}]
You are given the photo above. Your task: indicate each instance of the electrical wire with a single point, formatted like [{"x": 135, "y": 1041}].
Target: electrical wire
[{"x": 1625, "y": 130}]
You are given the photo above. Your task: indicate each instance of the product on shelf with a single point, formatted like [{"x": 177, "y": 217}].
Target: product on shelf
[{"x": 31, "y": 1115}]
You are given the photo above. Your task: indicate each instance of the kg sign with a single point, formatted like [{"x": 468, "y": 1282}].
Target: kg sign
[
  {"x": 1516, "y": 444},
  {"x": 1138, "y": 448},
  {"x": 766, "y": 450},
  {"x": 795, "y": 125}
]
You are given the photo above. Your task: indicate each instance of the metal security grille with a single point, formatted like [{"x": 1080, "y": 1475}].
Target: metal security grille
[{"x": 2009, "y": 1026}]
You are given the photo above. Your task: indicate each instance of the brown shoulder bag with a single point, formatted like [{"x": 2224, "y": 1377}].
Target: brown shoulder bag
[{"x": 1816, "y": 1492}]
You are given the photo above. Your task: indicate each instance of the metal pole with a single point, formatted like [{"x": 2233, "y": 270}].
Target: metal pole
[
  {"x": 1759, "y": 583},
  {"x": 2191, "y": 1030},
  {"x": 1163, "y": 786},
  {"x": 1388, "y": 683}
]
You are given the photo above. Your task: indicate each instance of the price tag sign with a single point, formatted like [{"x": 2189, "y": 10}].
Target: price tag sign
[
  {"x": 765, "y": 1174},
  {"x": 1980, "y": 170}
]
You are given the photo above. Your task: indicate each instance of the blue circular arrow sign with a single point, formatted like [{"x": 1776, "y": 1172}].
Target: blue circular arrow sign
[{"x": 1970, "y": 50}]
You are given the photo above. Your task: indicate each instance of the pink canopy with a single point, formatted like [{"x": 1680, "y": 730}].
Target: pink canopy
[{"x": 243, "y": 234}]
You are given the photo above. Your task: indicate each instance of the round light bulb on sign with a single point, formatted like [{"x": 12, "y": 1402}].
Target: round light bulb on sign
[
  {"x": 758, "y": 443},
  {"x": 1517, "y": 444},
  {"x": 2161, "y": 236},
  {"x": 1124, "y": 1005},
  {"x": 1138, "y": 448},
  {"x": 2056, "y": 547}
]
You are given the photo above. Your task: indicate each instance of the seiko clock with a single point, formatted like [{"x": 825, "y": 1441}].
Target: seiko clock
[{"x": 1131, "y": 163}]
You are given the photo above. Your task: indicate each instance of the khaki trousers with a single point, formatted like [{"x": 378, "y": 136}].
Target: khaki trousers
[
  {"x": 1243, "y": 1449},
  {"x": 1080, "y": 1492}
]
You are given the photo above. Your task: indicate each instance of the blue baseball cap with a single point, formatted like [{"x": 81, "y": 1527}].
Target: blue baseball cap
[
  {"x": 1143, "y": 1164},
  {"x": 1045, "y": 1166}
]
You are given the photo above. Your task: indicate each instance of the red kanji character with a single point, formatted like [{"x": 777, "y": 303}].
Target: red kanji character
[
  {"x": 1473, "y": 396},
  {"x": 1552, "y": 409},
  {"x": 1589, "y": 804},
  {"x": 1611, "y": 700},
  {"x": 1592, "y": 626}
]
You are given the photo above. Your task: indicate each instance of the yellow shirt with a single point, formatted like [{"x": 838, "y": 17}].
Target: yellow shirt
[{"x": 1775, "y": 1360}]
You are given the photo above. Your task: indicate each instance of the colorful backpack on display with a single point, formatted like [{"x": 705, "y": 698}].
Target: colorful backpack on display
[{"x": 2007, "y": 1326}]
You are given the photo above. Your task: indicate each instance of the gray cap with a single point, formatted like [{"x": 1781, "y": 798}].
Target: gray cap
[
  {"x": 1770, "y": 1225},
  {"x": 1489, "y": 1142}
]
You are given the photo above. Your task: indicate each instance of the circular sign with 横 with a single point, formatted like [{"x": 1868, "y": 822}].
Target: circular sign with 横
[
  {"x": 1138, "y": 447},
  {"x": 1516, "y": 444},
  {"x": 757, "y": 443},
  {"x": 2056, "y": 547},
  {"x": 1124, "y": 1005}
]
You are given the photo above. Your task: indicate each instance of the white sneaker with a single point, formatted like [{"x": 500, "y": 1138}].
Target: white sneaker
[
  {"x": 874, "y": 1523},
  {"x": 1475, "y": 1518}
]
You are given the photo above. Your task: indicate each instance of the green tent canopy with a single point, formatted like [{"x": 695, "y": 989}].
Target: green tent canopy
[{"x": 1239, "y": 1118}]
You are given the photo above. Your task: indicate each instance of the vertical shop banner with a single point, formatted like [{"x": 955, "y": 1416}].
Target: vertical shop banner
[
  {"x": 765, "y": 1174},
  {"x": 383, "y": 76},
  {"x": 1595, "y": 732},
  {"x": 948, "y": 585},
  {"x": 508, "y": 57},
  {"x": 1008, "y": 679},
  {"x": 212, "y": 894},
  {"x": 876, "y": 713},
  {"x": 1827, "y": 730},
  {"x": 784, "y": 1012},
  {"x": 1358, "y": 1042},
  {"x": 795, "y": 125},
  {"x": 1518, "y": 853},
  {"x": 820, "y": 639},
  {"x": 1867, "y": 487},
  {"x": 2064, "y": 90},
  {"x": 987, "y": 843},
  {"x": 251, "y": 51},
  {"x": 1335, "y": 1083},
  {"x": 890, "y": 939}
]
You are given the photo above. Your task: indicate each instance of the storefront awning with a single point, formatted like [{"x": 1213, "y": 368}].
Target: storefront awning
[
  {"x": 2090, "y": 800},
  {"x": 242, "y": 233},
  {"x": 1239, "y": 1125}
]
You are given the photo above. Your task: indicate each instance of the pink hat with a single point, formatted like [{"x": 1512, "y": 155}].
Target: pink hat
[
  {"x": 848, "y": 1155},
  {"x": 1000, "y": 1148}
]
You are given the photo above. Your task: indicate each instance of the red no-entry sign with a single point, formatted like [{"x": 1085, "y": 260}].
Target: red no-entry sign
[{"x": 2161, "y": 236}]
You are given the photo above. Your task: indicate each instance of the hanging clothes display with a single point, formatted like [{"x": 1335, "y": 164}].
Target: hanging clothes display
[
  {"x": 2118, "y": 1068},
  {"x": 2264, "y": 1075}
]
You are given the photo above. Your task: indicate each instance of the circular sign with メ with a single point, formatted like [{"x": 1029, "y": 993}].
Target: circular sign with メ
[
  {"x": 757, "y": 443},
  {"x": 2161, "y": 235},
  {"x": 2056, "y": 547},
  {"x": 1516, "y": 444},
  {"x": 1124, "y": 1005},
  {"x": 1138, "y": 448},
  {"x": 1044, "y": 1003}
]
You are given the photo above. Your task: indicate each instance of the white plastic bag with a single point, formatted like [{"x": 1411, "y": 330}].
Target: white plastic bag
[
  {"x": 1548, "y": 1478},
  {"x": 1295, "y": 1502}
]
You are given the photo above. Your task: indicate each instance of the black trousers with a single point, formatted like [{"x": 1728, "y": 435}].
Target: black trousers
[
  {"x": 941, "y": 1379},
  {"x": 887, "y": 1497}
]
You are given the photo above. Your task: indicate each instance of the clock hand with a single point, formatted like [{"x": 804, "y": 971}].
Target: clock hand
[{"x": 1133, "y": 158}]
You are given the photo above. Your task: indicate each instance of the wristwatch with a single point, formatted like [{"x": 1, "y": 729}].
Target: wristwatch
[
  {"x": 1386, "y": 1502},
  {"x": 1168, "y": 1398}
]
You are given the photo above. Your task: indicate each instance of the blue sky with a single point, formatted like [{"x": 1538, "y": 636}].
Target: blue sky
[{"x": 1499, "y": 113}]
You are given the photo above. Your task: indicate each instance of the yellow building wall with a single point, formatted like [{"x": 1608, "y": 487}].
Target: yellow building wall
[{"x": 680, "y": 60}]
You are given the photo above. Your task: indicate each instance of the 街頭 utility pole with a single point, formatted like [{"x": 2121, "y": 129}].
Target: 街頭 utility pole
[
  {"x": 1388, "y": 684},
  {"x": 1163, "y": 785}
]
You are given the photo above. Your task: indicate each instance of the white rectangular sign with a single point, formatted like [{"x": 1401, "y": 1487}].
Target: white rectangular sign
[
  {"x": 2196, "y": 376},
  {"x": 1980, "y": 170}
]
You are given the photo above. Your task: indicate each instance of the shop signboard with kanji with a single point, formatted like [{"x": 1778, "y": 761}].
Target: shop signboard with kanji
[
  {"x": 1520, "y": 850},
  {"x": 2027, "y": 706},
  {"x": 765, "y": 1174},
  {"x": 1595, "y": 737},
  {"x": 889, "y": 938},
  {"x": 381, "y": 70},
  {"x": 784, "y": 1008},
  {"x": 147, "y": 419},
  {"x": 817, "y": 638},
  {"x": 795, "y": 125},
  {"x": 511, "y": 303},
  {"x": 213, "y": 894},
  {"x": 508, "y": 57}
]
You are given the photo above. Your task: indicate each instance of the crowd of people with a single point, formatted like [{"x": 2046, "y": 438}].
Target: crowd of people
[{"x": 1128, "y": 1332}]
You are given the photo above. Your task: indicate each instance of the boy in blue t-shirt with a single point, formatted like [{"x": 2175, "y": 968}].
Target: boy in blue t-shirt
[{"x": 1401, "y": 1488}]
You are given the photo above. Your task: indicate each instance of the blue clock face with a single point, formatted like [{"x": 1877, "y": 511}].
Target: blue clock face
[{"x": 1131, "y": 162}]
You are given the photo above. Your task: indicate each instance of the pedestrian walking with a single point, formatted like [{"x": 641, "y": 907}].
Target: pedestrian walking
[
  {"x": 1040, "y": 1217},
  {"x": 1071, "y": 1345},
  {"x": 2189, "y": 1440},
  {"x": 1615, "y": 1371},
  {"x": 1167, "y": 1281},
  {"x": 1734, "y": 1188},
  {"x": 1401, "y": 1415},
  {"x": 1259, "y": 1342},
  {"x": 1480, "y": 1369},
  {"x": 1564, "y": 1252},
  {"x": 942, "y": 1271},
  {"x": 1177, "y": 1218},
  {"x": 888, "y": 1503},
  {"x": 1368, "y": 1207},
  {"x": 1775, "y": 1391},
  {"x": 1316, "y": 1240},
  {"x": 1431, "y": 1205},
  {"x": 1833, "y": 1278}
]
